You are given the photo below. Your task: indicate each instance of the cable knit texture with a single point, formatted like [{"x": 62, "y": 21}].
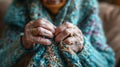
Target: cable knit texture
[{"x": 83, "y": 13}]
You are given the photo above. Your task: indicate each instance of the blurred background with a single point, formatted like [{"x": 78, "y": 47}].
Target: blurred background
[{"x": 109, "y": 13}]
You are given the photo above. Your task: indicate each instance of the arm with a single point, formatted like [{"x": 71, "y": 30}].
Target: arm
[
  {"x": 11, "y": 50},
  {"x": 96, "y": 52}
]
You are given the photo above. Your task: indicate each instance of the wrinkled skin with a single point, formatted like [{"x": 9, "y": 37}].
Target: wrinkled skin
[
  {"x": 36, "y": 30},
  {"x": 71, "y": 35}
]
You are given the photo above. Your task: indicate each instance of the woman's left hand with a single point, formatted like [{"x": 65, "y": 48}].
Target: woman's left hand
[{"x": 70, "y": 35}]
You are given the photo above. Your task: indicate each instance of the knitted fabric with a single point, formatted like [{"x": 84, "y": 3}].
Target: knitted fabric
[{"x": 82, "y": 13}]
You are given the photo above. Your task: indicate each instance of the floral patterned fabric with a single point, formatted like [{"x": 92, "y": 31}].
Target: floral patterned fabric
[{"x": 83, "y": 13}]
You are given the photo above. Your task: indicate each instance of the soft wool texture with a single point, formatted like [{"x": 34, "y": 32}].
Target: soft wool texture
[{"x": 83, "y": 13}]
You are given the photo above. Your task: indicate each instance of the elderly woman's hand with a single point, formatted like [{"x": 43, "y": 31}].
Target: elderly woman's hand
[
  {"x": 38, "y": 32},
  {"x": 70, "y": 35}
]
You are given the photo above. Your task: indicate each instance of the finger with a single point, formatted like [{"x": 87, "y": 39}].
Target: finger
[
  {"x": 63, "y": 35},
  {"x": 40, "y": 40},
  {"x": 63, "y": 27},
  {"x": 80, "y": 32},
  {"x": 71, "y": 40},
  {"x": 29, "y": 25},
  {"x": 43, "y": 32},
  {"x": 49, "y": 23},
  {"x": 76, "y": 48},
  {"x": 44, "y": 24}
]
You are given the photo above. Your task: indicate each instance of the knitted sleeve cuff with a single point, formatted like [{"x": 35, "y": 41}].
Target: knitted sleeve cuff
[
  {"x": 92, "y": 57},
  {"x": 86, "y": 51}
]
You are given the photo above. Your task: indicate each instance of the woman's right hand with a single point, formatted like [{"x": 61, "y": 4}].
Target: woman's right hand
[{"x": 36, "y": 31}]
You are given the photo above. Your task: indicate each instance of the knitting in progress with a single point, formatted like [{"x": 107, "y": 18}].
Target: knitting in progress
[{"x": 81, "y": 13}]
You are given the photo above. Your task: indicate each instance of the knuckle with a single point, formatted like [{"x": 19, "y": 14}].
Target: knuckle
[
  {"x": 27, "y": 25},
  {"x": 59, "y": 29},
  {"x": 66, "y": 31},
  {"x": 66, "y": 23},
  {"x": 39, "y": 40},
  {"x": 30, "y": 22},
  {"x": 66, "y": 41},
  {"x": 39, "y": 29},
  {"x": 39, "y": 20}
]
